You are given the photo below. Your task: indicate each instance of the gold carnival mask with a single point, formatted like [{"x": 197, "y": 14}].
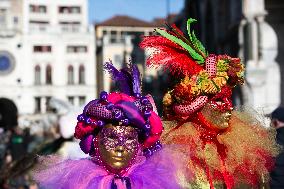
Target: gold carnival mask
[
  {"x": 118, "y": 146},
  {"x": 216, "y": 118}
]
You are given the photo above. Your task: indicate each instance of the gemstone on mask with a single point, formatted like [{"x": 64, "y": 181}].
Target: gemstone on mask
[{"x": 120, "y": 136}]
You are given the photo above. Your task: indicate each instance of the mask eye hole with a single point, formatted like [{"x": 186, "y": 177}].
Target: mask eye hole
[
  {"x": 112, "y": 136},
  {"x": 219, "y": 103}
]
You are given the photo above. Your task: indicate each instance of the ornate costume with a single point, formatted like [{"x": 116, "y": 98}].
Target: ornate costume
[
  {"x": 223, "y": 146},
  {"x": 120, "y": 131}
]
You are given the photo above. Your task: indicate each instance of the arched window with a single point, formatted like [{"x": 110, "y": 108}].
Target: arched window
[
  {"x": 81, "y": 74},
  {"x": 48, "y": 75},
  {"x": 70, "y": 75},
  {"x": 37, "y": 75}
]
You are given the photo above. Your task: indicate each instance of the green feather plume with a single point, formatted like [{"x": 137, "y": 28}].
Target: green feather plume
[
  {"x": 180, "y": 42},
  {"x": 195, "y": 41},
  {"x": 193, "y": 45}
]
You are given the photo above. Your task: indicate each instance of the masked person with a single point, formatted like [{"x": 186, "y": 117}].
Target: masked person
[
  {"x": 120, "y": 131},
  {"x": 223, "y": 145},
  {"x": 277, "y": 175}
]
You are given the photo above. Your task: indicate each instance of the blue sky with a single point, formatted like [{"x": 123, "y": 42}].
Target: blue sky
[{"x": 100, "y": 10}]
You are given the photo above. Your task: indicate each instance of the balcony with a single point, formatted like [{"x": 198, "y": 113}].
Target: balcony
[
  {"x": 70, "y": 13},
  {"x": 39, "y": 28},
  {"x": 43, "y": 17},
  {"x": 7, "y": 32},
  {"x": 61, "y": 28},
  {"x": 125, "y": 40},
  {"x": 70, "y": 18},
  {"x": 70, "y": 28}
]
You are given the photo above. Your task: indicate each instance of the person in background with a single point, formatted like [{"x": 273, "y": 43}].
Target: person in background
[
  {"x": 277, "y": 175},
  {"x": 18, "y": 143}
]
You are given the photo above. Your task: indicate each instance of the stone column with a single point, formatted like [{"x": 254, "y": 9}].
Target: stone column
[
  {"x": 259, "y": 50},
  {"x": 43, "y": 105}
]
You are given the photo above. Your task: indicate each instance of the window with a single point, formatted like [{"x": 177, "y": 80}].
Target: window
[
  {"x": 38, "y": 25},
  {"x": 81, "y": 49},
  {"x": 43, "y": 49},
  {"x": 70, "y": 26},
  {"x": 48, "y": 108},
  {"x": 118, "y": 59},
  {"x": 81, "y": 74},
  {"x": 70, "y": 76},
  {"x": 82, "y": 100},
  {"x": 16, "y": 20},
  {"x": 71, "y": 99},
  {"x": 69, "y": 9},
  {"x": 48, "y": 76},
  {"x": 77, "y": 49},
  {"x": 32, "y": 8},
  {"x": 42, "y": 9},
  {"x": 3, "y": 17},
  {"x": 37, "y": 75},
  {"x": 7, "y": 62},
  {"x": 63, "y": 10},
  {"x": 38, "y": 8},
  {"x": 113, "y": 37},
  {"x": 75, "y": 10},
  {"x": 71, "y": 49},
  {"x": 37, "y": 105}
]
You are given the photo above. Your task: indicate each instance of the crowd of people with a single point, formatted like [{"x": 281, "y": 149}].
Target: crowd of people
[
  {"x": 277, "y": 175},
  {"x": 18, "y": 150}
]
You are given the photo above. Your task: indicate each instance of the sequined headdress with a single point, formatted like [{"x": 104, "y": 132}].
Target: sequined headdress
[
  {"x": 215, "y": 138},
  {"x": 127, "y": 107},
  {"x": 117, "y": 130},
  {"x": 206, "y": 77}
]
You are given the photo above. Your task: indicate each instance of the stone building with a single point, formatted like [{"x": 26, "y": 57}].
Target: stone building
[{"x": 47, "y": 49}]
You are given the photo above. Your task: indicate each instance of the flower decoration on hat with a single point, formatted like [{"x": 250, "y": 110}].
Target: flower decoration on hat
[{"x": 204, "y": 75}]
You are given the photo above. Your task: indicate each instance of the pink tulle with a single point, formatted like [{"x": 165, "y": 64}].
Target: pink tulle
[{"x": 158, "y": 171}]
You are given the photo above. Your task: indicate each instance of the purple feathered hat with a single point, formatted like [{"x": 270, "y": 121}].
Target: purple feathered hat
[{"x": 128, "y": 107}]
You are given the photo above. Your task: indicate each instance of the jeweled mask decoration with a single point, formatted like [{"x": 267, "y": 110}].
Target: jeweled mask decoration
[
  {"x": 117, "y": 147},
  {"x": 116, "y": 127},
  {"x": 210, "y": 113},
  {"x": 207, "y": 79}
]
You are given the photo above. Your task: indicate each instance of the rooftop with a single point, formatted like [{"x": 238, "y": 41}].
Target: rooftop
[
  {"x": 127, "y": 21},
  {"x": 160, "y": 22}
]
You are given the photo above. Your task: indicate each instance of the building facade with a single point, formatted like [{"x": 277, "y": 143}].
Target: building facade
[
  {"x": 118, "y": 41},
  {"x": 47, "y": 49}
]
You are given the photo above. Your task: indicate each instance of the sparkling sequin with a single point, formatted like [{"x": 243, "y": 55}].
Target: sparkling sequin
[{"x": 120, "y": 136}]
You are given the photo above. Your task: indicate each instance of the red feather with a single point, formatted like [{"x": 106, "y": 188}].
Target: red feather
[
  {"x": 169, "y": 55},
  {"x": 177, "y": 29}
]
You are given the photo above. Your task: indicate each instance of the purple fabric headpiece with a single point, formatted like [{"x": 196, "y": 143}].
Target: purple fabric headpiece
[{"x": 128, "y": 107}]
